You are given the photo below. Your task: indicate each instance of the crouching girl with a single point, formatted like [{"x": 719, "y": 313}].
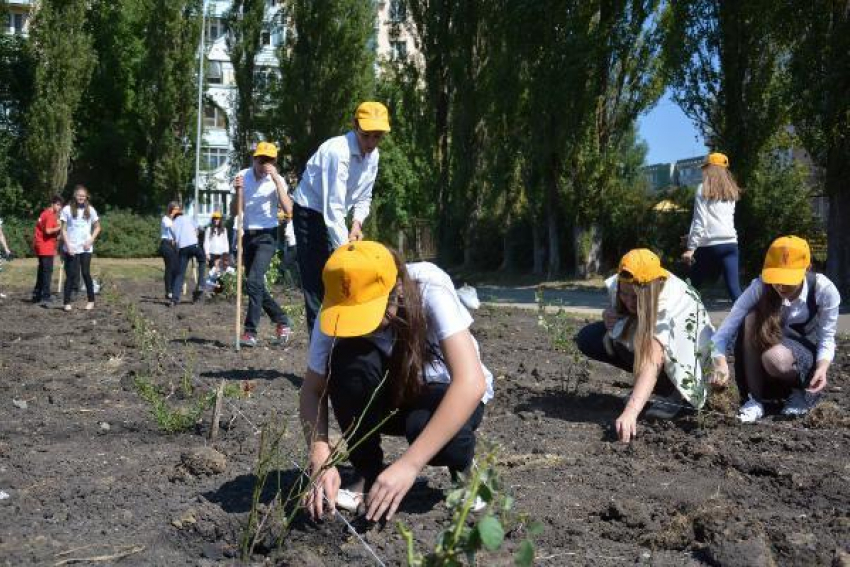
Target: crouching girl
[
  {"x": 655, "y": 326},
  {"x": 382, "y": 320},
  {"x": 785, "y": 323}
]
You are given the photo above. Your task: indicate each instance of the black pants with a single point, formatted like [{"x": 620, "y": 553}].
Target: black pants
[
  {"x": 172, "y": 263},
  {"x": 75, "y": 265},
  {"x": 258, "y": 250},
  {"x": 357, "y": 368},
  {"x": 185, "y": 254},
  {"x": 589, "y": 341},
  {"x": 314, "y": 249},
  {"x": 709, "y": 261},
  {"x": 41, "y": 291}
]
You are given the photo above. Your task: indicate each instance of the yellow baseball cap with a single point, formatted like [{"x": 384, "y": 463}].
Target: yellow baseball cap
[
  {"x": 216, "y": 215},
  {"x": 643, "y": 265},
  {"x": 716, "y": 158},
  {"x": 358, "y": 278},
  {"x": 373, "y": 117},
  {"x": 266, "y": 149},
  {"x": 786, "y": 261}
]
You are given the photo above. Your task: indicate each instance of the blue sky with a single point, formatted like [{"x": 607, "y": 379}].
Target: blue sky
[{"x": 669, "y": 134}]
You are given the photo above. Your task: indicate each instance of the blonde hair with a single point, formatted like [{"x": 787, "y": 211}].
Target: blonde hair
[
  {"x": 646, "y": 319},
  {"x": 718, "y": 184}
]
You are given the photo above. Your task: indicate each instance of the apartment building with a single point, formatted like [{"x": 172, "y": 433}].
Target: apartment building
[{"x": 18, "y": 19}]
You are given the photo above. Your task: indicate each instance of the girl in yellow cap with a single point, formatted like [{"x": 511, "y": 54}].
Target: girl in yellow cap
[
  {"x": 390, "y": 337},
  {"x": 785, "y": 322},
  {"x": 216, "y": 244},
  {"x": 655, "y": 326},
  {"x": 712, "y": 239}
]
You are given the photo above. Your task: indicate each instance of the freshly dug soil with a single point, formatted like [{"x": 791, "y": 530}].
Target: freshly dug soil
[{"x": 88, "y": 473}]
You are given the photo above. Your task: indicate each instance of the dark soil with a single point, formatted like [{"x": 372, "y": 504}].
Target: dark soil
[{"x": 88, "y": 473}]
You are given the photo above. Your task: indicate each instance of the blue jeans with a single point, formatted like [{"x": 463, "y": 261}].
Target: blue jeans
[
  {"x": 257, "y": 252},
  {"x": 314, "y": 249},
  {"x": 710, "y": 260},
  {"x": 185, "y": 254}
]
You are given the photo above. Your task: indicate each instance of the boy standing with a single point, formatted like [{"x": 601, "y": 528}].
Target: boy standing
[{"x": 45, "y": 240}]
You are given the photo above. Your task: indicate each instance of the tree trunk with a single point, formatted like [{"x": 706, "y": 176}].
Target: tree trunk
[
  {"x": 838, "y": 233},
  {"x": 588, "y": 250},
  {"x": 554, "y": 243},
  {"x": 539, "y": 248},
  {"x": 509, "y": 256}
]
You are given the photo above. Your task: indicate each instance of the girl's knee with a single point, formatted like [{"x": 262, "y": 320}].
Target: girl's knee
[{"x": 778, "y": 361}]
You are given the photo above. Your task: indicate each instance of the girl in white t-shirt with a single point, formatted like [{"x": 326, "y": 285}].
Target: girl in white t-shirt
[
  {"x": 391, "y": 337},
  {"x": 656, "y": 326},
  {"x": 167, "y": 248},
  {"x": 80, "y": 228},
  {"x": 215, "y": 241}
]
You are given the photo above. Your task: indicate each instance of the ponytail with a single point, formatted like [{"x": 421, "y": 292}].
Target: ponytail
[
  {"x": 410, "y": 351},
  {"x": 768, "y": 323}
]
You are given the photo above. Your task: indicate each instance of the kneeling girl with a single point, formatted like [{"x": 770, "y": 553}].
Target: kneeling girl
[
  {"x": 785, "y": 322},
  {"x": 382, "y": 320},
  {"x": 656, "y": 325}
]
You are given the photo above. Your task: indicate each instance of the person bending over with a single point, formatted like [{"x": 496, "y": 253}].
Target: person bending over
[
  {"x": 381, "y": 318},
  {"x": 656, "y": 326},
  {"x": 785, "y": 323}
]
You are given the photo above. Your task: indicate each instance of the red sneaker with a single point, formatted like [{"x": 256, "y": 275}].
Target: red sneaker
[{"x": 248, "y": 340}]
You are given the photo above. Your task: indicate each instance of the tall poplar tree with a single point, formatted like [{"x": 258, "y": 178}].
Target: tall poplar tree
[
  {"x": 62, "y": 51},
  {"x": 327, "y": 67},
  {"x": 244, "y": 36}
]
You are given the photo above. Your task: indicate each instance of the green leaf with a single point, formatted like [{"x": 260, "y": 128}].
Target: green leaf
[
  {"x": 535, "y": 528},
  {"x": 491, "y": 533},
  {"x": 524, "y": 556},
  {"x": 455, "y": 497}
]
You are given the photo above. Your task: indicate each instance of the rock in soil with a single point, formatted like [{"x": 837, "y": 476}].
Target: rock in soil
[
  {"x": 204, "y": 461},
  {"x": 753, "y": 552}
]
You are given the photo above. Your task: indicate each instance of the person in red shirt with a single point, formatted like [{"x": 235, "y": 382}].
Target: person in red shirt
[{"x": 44, "y": 244}]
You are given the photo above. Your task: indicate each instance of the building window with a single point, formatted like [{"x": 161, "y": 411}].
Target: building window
[
  {"x": 214, "y": 117},
  {"x": 214, "y": 73},
  {"x": 17, "y": 23},
  {"x": 398, "y": 50},
  {"x": 213, "y": 158},
  {"x": 398, "y": 11},
  {"x": 267, "y": 38},
  {"x": 215, "y": 29}
]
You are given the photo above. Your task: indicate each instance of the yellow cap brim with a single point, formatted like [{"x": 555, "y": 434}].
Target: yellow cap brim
[
  {"x": 265, "y": 154},
  {"x": 353, "y": 320},
  {"x": 373, "y": 125},
  {"x": 783, "y": 276}
]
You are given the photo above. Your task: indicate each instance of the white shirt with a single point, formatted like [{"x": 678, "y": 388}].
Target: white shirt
[
  {"x": 216, "y": 244},
  {"x": 79, "y": 229},
  {"x": 713, "y": 222},
  {"x": 165, "y": 228},
  {"x": 184, "y": 232},
  {"x": 445, "y": 316},
  {"x": 792, "y": 313},
  {"x": 261, "y": 200},
  {"x": 338, "y": 178},
  {"x": 686, "y": 351}
]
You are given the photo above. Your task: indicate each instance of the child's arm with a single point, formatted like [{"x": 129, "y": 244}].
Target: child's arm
[
  {"x": 3, "y": 242},
  {"x": 626, "y": 424},
  {"x": 462, "y": 397},
  {"x": 313, "y": 410}
]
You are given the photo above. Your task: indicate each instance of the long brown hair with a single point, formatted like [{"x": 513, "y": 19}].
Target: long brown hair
[
  {"x": 410, "y": 351},
  {"x": 644, "y": 320},
  {"x": 768, "y": 319},
  {"x": 75, "y": 207},
  {"x": 718, "y": 184}
]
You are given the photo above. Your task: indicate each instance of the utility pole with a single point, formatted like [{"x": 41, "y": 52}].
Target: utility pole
[{"x": 201, "y": 56}]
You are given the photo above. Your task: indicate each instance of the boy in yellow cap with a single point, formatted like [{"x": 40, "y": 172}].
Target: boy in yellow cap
[
  {"x": 391, "y": 336},
  {"x": 656, "y": 326},
  {"x": 338, "y": 178},
  {"x": 785, "y": 323},
  {"x": 260, "y": 190}
]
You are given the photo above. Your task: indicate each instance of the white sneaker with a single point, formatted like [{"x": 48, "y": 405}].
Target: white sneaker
[
  {"x": 800, "y": 403},
  {"x": 751, "y": 411},
  {"x": 348, "y": 499},
  {"x": 67, "y": 307}
]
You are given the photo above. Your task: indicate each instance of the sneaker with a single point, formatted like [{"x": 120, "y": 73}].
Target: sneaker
[
  {"x": 2, "y": 295},
  {"x": 751, "y": 411},
  {"x": 67, "y": 307},
  {"x": 89, "y": 305},
  {"x": 197, "y": 296},
  {"x": 282, "y": 334},
  {"x": 800, "y": 403},
  {"x": 348, "y": 500},
  {"x": 248, "y": 340},
  {"x": 665, "y": 408}
]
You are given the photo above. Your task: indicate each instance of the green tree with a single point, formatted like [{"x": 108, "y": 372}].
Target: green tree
[
  {"x": 112, "y": 144},
  {"x": 167, "y": 91},
  {"x": 327, "y": 68},
  {"x": 726, "y": 67},
  {"x": 63, "y": 56},
  {"x": 16, "y": 84},
  {"x": 819, "y": 34},
  {"x": 244, "y": 35}
]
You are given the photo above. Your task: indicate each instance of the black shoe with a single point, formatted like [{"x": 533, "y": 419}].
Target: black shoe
[{"x": 197, "y": 296}]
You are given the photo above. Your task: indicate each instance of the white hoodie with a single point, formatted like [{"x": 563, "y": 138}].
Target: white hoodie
[{"x": 713, "y": 222}]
